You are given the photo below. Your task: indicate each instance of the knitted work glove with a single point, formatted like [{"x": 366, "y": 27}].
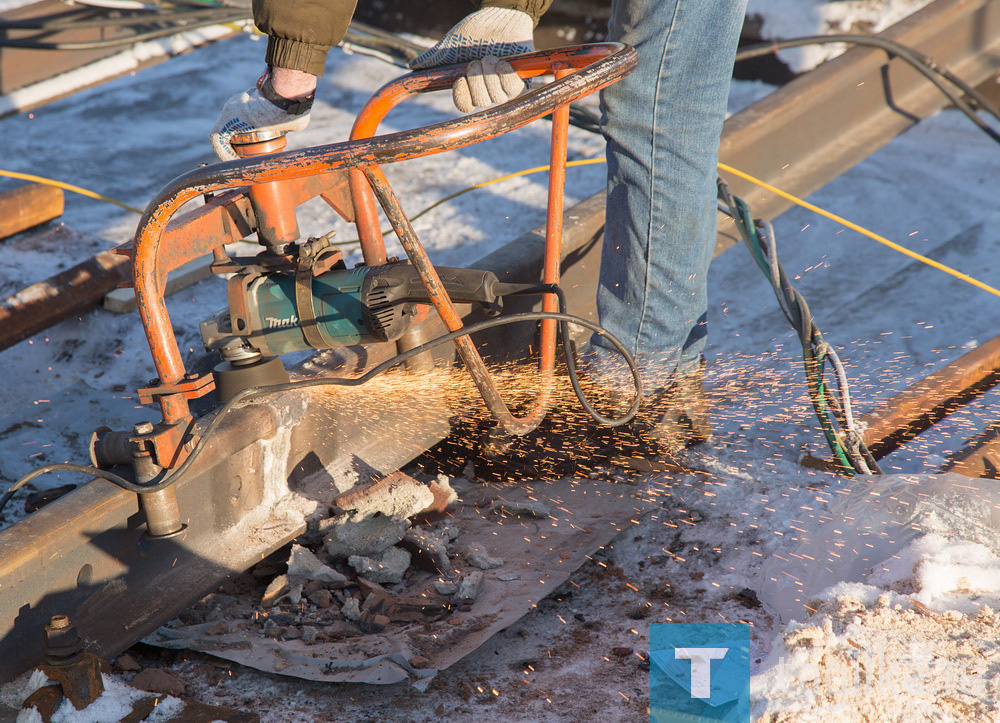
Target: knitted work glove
[
  {"x": 256, "y": 109},
  {"x": 480, "y": 37}
]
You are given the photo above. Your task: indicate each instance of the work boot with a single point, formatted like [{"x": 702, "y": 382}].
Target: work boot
[
  {"x": 676, "y": 417},
  {"x": 569, "y": 443},
  {"x": 669, "y": 420}
]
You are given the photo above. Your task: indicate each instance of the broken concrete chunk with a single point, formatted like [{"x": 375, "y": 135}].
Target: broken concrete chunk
[
  {"x": 351, "y": 609},
  {"x": 477, "y": 556},
  {"x": 469, "y": 587},
  {"x": 274, "y": 591},
  {"x": 158, "y": 680},
  {"x": 398, "y": 496},
  {"x": 303, "y": 563},
  {"x": 126, "y": 663},
  {"x": 524, "y": 508},
  {"x": 509, "y": 576},
  {"x": 367, "y": 537},
  {"x": 321, "y": 598},
  {"x": 309, "y": 634},
  {"x": 428, "y": 550},
  {"x": 388, "y": 567},
  {"x": 295, "y": 585},
  {"x": 446, "y": 587},
  {"x": 443, "y": 494}
]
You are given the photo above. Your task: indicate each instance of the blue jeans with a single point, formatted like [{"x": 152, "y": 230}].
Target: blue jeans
[{"x": 662, "y": 123}]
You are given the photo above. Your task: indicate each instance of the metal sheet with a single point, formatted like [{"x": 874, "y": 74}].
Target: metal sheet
[{"x": 538, "y": 555}]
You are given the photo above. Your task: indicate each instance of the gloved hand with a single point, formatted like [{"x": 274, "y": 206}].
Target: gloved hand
[
  {"x": 258, "y": 109},
  {"x": 481, "y": 37}
]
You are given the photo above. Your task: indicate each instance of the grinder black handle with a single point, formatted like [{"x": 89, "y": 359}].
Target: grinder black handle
[{"x": 401, "y": 282}]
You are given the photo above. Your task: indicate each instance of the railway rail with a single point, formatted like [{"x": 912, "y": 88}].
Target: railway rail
[{"x": 87, "y": 554}]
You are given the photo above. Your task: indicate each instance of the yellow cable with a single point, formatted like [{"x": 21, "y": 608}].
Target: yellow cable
[
  {"x": 586, "y": 162},
  {"x": 860, "y": 229},
  {"x": 67, "y": 187},
  {"x": 525, "y": 172}
]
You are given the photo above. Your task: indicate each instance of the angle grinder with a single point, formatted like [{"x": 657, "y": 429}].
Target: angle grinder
[{"x": 274, "y": 311}]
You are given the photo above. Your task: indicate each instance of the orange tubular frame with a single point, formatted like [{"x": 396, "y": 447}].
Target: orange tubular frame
[{"x": 580, "y": 70}]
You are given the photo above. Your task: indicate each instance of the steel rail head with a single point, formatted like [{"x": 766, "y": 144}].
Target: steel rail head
[{"x": 598, "y": 65}]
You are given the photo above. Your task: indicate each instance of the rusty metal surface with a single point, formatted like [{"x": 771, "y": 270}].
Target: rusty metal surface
[
  {"x": 981, "y": 458},
  {"x": 597, "y": 69},
  {"x": 538, "y": 555},
  {"x": 27, "y": 206},
  {"x": 244, "y": 497},
  {"x": 819, "y": 125},
  {"x": 932, "y": 399}
]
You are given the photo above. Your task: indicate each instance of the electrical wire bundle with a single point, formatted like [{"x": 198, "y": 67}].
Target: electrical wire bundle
[{"x": 847, "y": 444}]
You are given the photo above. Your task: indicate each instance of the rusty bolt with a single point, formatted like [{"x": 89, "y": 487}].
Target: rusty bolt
[{"x": 58, "y": 622}]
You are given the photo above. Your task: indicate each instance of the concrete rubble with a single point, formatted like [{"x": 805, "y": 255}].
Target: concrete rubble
[
  {"x": 477, "y": 556},
  {"x": 388, "y": 567},
  {"x": 324, "y": 611},
  {"x": 469, "y": 587},
  {"x": 303, "y": 563}
]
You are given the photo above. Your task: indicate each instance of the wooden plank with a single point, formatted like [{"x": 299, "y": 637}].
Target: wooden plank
[
  {"x": 28, "y": 206},
  {"x": 69, "y": 292}
]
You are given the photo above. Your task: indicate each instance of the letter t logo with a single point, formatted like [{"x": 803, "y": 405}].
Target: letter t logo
[{"x": 701, "y": 667}]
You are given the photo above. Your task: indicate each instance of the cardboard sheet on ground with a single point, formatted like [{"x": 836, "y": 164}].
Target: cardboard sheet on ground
[
  {"x": 868, "y": 521},
  {"x": 539, "y": 554}
]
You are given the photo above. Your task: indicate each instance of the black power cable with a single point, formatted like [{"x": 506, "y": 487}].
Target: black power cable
[
  {"x": 923, "y": 64},
  {"x": 247, "y": 395}
]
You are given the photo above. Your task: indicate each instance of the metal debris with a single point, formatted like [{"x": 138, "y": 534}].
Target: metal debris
[{"x": 588, "y": 515}]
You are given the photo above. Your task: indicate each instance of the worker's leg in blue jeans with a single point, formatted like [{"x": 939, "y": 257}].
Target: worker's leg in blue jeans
[{"x": 662, "y": 123}]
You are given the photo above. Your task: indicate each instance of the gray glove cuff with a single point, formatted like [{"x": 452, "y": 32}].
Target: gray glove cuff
[{"x": 292, "y": 107}]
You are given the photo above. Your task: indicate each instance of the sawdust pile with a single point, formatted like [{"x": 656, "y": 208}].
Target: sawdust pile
[{"x": 888, "y": 659}]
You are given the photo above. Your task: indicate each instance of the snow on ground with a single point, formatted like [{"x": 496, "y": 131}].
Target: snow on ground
[{"x": 582, "y": 654}]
